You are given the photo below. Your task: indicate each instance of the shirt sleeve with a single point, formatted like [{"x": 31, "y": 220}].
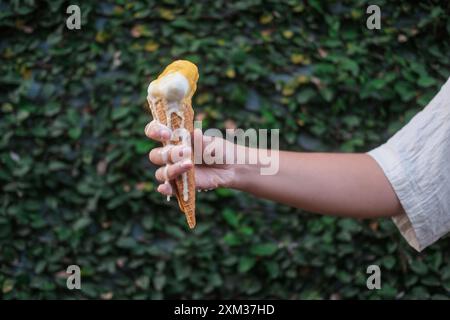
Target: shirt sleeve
[{"x": 416, "y": 161}]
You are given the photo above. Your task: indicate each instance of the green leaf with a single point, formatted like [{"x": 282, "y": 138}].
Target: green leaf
[
  {"x": 231, "y": 239},
  {"x": 230, "y": 217},
  {"x": 8, "y": 285},
  {"x": 351, "y": 121},
  {"x": 327, "y": 94},
  {"x": 445, "y": 273},
  {"x": 387, "y": 291},
  {"x": 82, "y": 223},
  {"x": 159, "y": 282},
  {"x": 272, "y": 268},
  {"x": 246, "y": 264},
  {"x": 306, "y": 95},
  {"x": 222, "y": 192},
  {"x": 126, "y": 243},
  {"x": 388, "y": 262},
  {"x": 120, "y": 113},
  {"x": 405, "y": 90},
  {"x": 148, "y": 221},
  {"x": 426, "y": 81},
  {"x": 143, "y": 282},
  {"x": 350, "y": 65},
  {"x": 40, "y": 266},
  {"x": 265, "y": 249},
  {"x": 419, "y": 267},
  {"x": 143, "y": 146},
  {"x": 75, "y": 133}
]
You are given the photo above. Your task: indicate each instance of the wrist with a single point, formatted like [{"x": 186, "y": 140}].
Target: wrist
[{"x": 243, "y": 174}]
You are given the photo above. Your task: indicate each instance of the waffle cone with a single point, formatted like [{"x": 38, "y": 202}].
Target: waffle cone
[
  {"x": 159, "y": 112},
  {"x": 177, "y": 84}
]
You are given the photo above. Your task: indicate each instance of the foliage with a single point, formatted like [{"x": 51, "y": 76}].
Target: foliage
[{"x": 77, "y": 187}]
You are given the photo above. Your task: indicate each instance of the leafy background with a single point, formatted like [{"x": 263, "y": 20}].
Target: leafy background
[{"x": 77, "y": 187}]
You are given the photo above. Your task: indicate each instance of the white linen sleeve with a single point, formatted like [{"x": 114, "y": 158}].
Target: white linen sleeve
[{"x": 416, "y": 161}]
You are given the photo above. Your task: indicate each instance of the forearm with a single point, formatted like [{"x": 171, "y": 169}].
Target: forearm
[{"x": 330, "y": 183}]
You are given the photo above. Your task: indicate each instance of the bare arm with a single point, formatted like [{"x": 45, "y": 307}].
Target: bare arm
[{"x": 351, "y": 185}]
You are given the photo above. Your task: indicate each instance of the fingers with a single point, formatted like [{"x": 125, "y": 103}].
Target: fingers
[
  {"x": 171, "y": 171},
  {"x": 179, "y": 155},
  {"x": 172, "y": 153},
  {"x": 157, "y": 131},
  {"x": 165, "y": 189},
  {"x": 169, "y": 154}
]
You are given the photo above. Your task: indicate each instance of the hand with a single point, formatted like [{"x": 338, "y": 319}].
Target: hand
[{"x": 176, "y": 159}]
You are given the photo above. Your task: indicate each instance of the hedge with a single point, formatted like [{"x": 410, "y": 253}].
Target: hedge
[{"x": 77, "y": 186}]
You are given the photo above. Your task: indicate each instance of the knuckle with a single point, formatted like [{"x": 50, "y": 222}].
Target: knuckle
[
  {"x": 171, "y": 172},
  {"x": 165, "y": 153},
  {"x": 176, "y": 154}
]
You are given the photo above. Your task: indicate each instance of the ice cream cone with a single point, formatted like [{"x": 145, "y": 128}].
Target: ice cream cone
[{"x": 170, "y": 101}]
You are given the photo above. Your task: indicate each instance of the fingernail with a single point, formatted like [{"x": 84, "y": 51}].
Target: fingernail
[{"x": 146, "y": 129}]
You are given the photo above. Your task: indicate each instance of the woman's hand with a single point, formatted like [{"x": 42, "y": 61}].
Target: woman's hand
[{"x": 176, "y": 159}]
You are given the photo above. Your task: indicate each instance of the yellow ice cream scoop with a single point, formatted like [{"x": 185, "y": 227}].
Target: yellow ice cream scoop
[{"x": 187, "y": 69}]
